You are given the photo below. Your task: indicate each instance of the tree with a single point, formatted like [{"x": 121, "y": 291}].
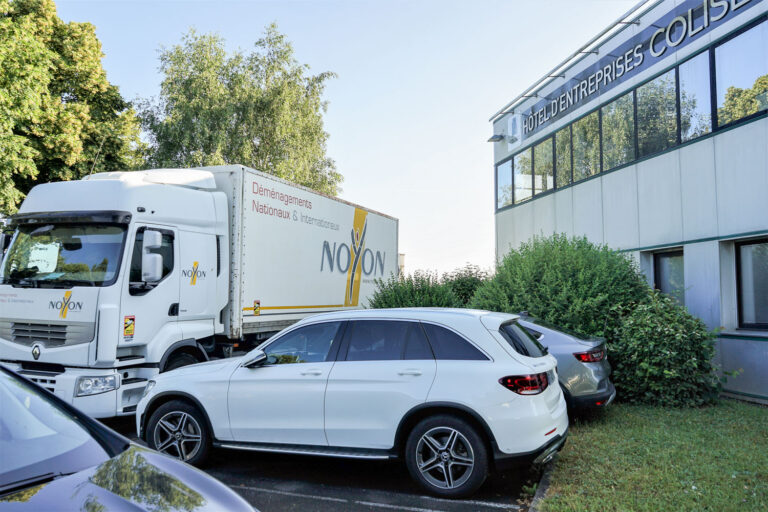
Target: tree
[
  {"x": 60, "y": 118},
  {"x": 260, "y": 109}
]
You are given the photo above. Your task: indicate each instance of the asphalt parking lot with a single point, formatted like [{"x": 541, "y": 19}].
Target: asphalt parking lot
[{"x": 277, "y": 482}]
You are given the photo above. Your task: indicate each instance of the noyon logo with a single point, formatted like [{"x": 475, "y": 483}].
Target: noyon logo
[
  {"x": 193, "y": 274},
  {"x": 65, "y": 305}
]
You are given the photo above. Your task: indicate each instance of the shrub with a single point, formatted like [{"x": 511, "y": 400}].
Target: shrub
[
  {"x": 663, "y": 356},
  {"x": 464, "y": 281},
  {"x": 569, "y": 282},
  {"x": 422, "y": 289}
]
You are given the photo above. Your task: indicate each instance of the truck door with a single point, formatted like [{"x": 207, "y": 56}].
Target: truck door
[
  {"x": 197, "y": 283},
  {"x": 149, "y": 310}
]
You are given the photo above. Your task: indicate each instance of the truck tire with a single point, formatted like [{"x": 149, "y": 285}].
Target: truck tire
[
  {"x": 180, "y": 360},
  {"x": 447, "y": 456},
  {"x": 179, "y": 429}
]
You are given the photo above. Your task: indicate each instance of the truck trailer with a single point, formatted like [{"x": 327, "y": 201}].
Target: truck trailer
[{"x": 108, "y": 280}]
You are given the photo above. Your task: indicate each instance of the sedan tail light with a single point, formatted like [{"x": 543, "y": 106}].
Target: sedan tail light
[
  {"x": 526, "y": 384},
  {"x": 593, "y": 356}
]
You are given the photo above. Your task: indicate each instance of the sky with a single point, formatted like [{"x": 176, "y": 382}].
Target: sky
[{"x": 408, "y": 113}]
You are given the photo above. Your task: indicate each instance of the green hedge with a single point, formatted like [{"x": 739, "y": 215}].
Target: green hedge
[{"x": 421, "y": 289}]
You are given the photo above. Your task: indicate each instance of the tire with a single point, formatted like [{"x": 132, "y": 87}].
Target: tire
[
  {"x": 180, "y": 430},
  {"x": 180, "y": 360},
  {"x": 445, "y": 441}
]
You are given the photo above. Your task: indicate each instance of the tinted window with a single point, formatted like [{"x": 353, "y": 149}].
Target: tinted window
[
  {"x": 586, "y": 147},
  {"x": 384, "y": 340},
  {"x": 657, "y": 114},
  {"x": 504, "y": 184},
  {"x": 310, "y": 344},
  {"x": 448, "y": 345},
  {"x": 741, "y": 68},
  {"x": 695, "y": 108},
  {"x": 521, "y": 340},
  {"x": 563, "y": 156},
  {"x": 618, "y": 132},
  {"x": 523, "y": 179},
  {"x": 417, "y": 346},
  {"x": 543, "y": 167}
]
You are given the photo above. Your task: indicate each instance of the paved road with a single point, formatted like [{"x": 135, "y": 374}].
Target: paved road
[{"x": 277, "y": 482}]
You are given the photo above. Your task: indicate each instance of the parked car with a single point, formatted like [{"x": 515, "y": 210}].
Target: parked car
[
  {"x": 456, "y": 393},
  {"x": 582, "y": 363},
  {"x": 53, "y": 457}
]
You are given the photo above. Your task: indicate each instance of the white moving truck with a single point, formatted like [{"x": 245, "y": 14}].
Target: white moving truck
[{"x": 111, "y": 279}]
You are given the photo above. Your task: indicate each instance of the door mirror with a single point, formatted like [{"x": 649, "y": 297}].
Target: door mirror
[
  {"x": 255, "y": 359},
  {"x": 151, "y": 263}
]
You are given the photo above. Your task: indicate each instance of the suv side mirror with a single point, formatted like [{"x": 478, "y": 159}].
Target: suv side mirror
[
  {"x": 258, "y": 357},
  {"x": 151, "y": 263}
]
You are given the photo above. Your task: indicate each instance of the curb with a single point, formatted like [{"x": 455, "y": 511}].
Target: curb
[{"x": 541, "y": 489}]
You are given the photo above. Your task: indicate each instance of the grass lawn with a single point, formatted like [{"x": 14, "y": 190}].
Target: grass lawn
[{"x": 649, "y": 458}]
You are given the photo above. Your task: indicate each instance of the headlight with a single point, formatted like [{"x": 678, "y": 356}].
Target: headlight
[
  {"x": 147, "y": 389},
  {"x": 94, "y": 385}
]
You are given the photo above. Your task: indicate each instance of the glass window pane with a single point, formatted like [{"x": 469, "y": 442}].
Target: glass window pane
[
  {"x": 543, "y": 171},
  {"x": 504, "y": 184},
  {"x": 380, "y": 340},
  {"x": 563, "y": 156},
  {"x": 523, "y": 181},
  {"x": 417, "y": 346},
  {"x": 310, "y": 344},
  {"x": 522, "y": 341},
  {"x": 618, "y": 132},
  {"x": 695, "y": 108},
  {"x": 657, "y": 115},
  {"x": 449, "y": 345},
  {"x": 586, "y": 146},
  {"x": 753, "y": 283},
  {"x": 741, "y": 68},
  {"x": 669, "y": 274}
]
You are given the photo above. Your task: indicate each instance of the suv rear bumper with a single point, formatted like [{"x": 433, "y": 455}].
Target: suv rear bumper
[{"x": 541, "y": 455}]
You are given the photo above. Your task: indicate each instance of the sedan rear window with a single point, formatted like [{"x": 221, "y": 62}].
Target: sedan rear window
[{"x": 521, "y": 340}]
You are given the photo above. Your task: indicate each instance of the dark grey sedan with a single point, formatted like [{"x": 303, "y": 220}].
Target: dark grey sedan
[
  {"x": 582, "y": 364},
  {"x": 53, "y": 457}
]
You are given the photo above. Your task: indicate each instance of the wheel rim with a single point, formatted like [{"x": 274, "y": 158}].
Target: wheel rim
[
  {"x": 178, "y": 434},
  {"x": 444, "y": 457}
]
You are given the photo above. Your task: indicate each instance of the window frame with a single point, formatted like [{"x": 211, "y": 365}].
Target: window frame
[
  {"x": 760, "y": 326},
  {"x": 672, "y": 251}
]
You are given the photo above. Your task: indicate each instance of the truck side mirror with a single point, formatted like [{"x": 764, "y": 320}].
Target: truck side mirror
[{"x": 151, "y": 263}]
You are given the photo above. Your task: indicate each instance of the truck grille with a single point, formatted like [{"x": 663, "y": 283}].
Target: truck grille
[
  {"x": 49, "y": 335},
  {"x": 45, "y": 382}
]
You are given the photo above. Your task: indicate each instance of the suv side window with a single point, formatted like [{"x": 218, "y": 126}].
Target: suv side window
[
  {"x": 309, "y": 344},
  {"x": 447, "y": 344},
  {"x": 386, "y": 340}
]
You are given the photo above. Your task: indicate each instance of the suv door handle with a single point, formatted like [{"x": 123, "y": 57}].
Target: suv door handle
[
  {"x": 313, "y": 371},
  {"x": 411, "y": 371}
]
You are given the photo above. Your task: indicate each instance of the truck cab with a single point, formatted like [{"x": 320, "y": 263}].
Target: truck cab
[{"x": 111, "y": 279}]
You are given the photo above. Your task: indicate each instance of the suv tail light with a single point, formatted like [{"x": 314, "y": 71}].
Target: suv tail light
[
  {"x": 593, "y": 356},
  {"x": 526, "y": 384}
]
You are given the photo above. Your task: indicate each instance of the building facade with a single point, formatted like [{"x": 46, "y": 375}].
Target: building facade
[{"x": 653, "y": 139}]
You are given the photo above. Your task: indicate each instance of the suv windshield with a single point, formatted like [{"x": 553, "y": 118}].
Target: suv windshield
[
  {"x": 521, "y": 340},
  {"x": 63, "y": 255},
  {"x": 38, "y": 440}
]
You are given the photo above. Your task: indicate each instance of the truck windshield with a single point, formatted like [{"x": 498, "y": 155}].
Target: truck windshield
[{"x": 63, "y": 255}]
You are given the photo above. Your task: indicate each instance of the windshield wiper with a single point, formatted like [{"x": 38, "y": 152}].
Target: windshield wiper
[
  {"x": 26, "y": 483},
  {"x": 23, "y": 282}
]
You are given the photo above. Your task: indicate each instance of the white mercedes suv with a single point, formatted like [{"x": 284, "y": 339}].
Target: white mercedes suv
[{"x": 455, "y": 393}]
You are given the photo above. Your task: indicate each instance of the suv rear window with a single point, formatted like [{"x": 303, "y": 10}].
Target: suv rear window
[{"x": 521, "y": 340}]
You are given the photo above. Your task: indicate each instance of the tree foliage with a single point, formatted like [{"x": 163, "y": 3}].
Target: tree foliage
[
  {"x": 421, "y": 289},
  {"x": 259, "y": 108},
  {"x": 464, "y": 281},
  {"x": 60, "y": 117}
]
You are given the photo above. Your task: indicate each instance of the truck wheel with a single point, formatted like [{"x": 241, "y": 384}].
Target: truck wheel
[
  {"x": 447, "y": 456},
  {"x": 179, "y": 429},
  {"x": 180, "y": 360}
]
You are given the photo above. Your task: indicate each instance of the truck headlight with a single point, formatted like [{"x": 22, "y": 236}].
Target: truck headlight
[
  {"x": 94, "y": 385},
  {"x": 147, "y": 389}
]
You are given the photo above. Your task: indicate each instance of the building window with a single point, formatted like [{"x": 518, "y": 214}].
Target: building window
[
  {"x": 523, "y": 177},
  {"x": 668, "y": 274},
  {"x": 618, "y": 132},
  {"x": 586, "y": 146},
  {"x": 752, "y": 283},
  {"x": 543, "y": 170},
  {"x": 741, "y": 66},
  {"x": 504, "y": 184},
  {"x": 563, "y": 157},
  {"x": 695, "y": 99},
  {"x": 657, "y": 115}
]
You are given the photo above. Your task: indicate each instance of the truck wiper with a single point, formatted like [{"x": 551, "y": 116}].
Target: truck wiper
[{"x": 23, "y": 282}]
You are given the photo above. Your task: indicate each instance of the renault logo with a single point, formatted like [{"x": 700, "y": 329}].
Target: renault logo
[{"x": 36, "y": 352}]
